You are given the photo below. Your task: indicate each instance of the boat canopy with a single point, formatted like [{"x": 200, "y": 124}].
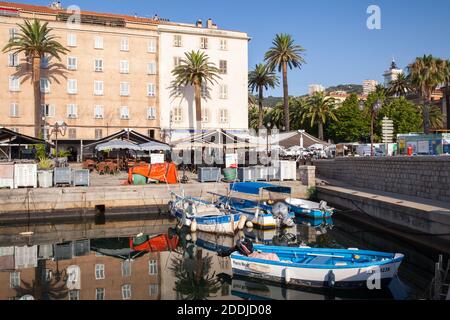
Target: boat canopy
[{"x": 256, "y": 187}]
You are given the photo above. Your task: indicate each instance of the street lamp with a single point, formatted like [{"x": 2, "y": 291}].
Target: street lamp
[
  {"x": 373, "y": 112},
  {"x": 59, "y": 127}
]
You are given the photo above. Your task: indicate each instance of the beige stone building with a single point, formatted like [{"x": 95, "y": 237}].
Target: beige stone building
[{"x": 108, "y": 81}]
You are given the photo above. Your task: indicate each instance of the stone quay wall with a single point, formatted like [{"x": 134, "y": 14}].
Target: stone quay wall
[{"x": 424, "y": 177}]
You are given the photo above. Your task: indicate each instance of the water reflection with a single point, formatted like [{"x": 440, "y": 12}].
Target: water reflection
[{"x": 148, "y": 260}]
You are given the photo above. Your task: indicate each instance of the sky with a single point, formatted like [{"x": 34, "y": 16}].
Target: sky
[{"x": 340, "y": 49}]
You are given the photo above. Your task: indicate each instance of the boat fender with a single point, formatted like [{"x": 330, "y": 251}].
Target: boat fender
[
  {"x": 331, "y": 279},
  {"x": 287, "y": 275},
  {"x": 188, "y": 237},
  {"x": 241, "y": 223},
  {"x": 193, "y": 226},
  {"x": 170, "y": 206},
  {"x": 249, "y": 224},
  {"x": 194, "y": 237}
]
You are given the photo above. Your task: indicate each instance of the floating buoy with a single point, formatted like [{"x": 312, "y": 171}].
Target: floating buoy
[
  {"x": 242, "y": 221},
  {"x": 194, "y": 237},
  {"x": 249, "y": 224},
  {"x": 188, "y": 237},
  {"x": 193, "y": 226}
]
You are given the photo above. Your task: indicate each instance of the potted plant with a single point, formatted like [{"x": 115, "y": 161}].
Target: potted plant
[{"x": 45, "y": 172}]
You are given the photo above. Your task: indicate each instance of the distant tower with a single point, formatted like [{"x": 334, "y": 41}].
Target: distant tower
[{"x": 391, "y": 74}]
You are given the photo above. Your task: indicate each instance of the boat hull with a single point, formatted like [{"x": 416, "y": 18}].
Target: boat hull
[
  {"x": 321, "y": 276},
  {"x": 310, "y": 214}
]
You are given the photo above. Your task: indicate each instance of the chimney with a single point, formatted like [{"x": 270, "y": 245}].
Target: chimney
[
  {"x": 199, "y": 23},
  {"x": 209, "y": 24}
]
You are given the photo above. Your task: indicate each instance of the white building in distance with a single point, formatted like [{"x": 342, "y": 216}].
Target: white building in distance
[
  {"x": 369, "y": 86},
  {"x": 391, "y": 74},
  {"x": 313, "y": 88},
  {"x": 225, "y": 104}
]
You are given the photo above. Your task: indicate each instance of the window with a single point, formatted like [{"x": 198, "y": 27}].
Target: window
[
  {"x": 152, "y": 46},
  {"x": 72, "y": 111},
  {"x": 74, "y": 294},
  {"x": 203, "y": 43},
  {"x": 73, "y": 135},
  {"x": 98, "y": 134},
  {"x": 151, "y": 68},
  {"x": 48, "y": 110},
  {"x": 152, "y": 267},
  {"x": 98, "y": 112},
  {"x": 177, "y": 41},
  {"x": 153, "y": 289},
  {"x": 14, "y": 279},
  {"x": 151, "y": 113},
  {"x": 124, "y": 45},
  {"x": 124, "y": 113},
  {"x": 72, "y": 40},
  {"x": 15, "y": 130},
  {"x": 126, "y": 268},
  {"x": 151, "y": 89},
  {"x": 99, "y": 293},
  {"x": 98, "y": 88},
  {"x": 223, "y": 67},
  {"x": 14, "y": 110},
  {"x": 223, "y": 91},
  {"x": 98, "y": 43},
  {"x": 126, "y": 291},
  {"x": 176, "y": 61},
  {"x": 223, "y": 44},
  {"x": 71, "y": 63},
  {"x": 177, "y": 114},
  {"x": 151, "y": 133},
  {"x": 13, "y": 32},
  {"x": 99, "y": 270},
  {"x": 124, "y": 66},
  {"x": 14, "y": 84},
  {"x": 45, "y": 85},
  {"x": 124, "y": 89},
  {"x": 98, "y": 65},
  {"x": 223, "y": 116},
  {"x": 204, "y": 115},
  {"x": 13, "y": 59},
  {"x": 204, "y": 90},
  {"x": 45, "y": 60},
  {"x": 72, "y": 86}
]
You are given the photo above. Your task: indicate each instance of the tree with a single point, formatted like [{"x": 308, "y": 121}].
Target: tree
[
  {"x": 195, "y": 70},
  {"x": 446, "y": 90},
  {"x": 353, "y": 125},
  {"x": 426, "y": 74},
  {"x": 298, "y": 106},
  {"x": 400, "y": 87},
  {"x": 35, "y": 41},
  {"x": 320, "y": 109},
  {"x": 404, "y": 114},
  {"x": 283, "y": 54},
  {"x": 260, "y": 78}
]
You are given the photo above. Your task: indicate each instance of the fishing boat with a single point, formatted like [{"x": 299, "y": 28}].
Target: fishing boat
[
  {"x": 155, "y": 243},
  {"x": 262, "y": 215},
  {"x": 309, "y": 209},
  {"x": 311, "y": 267},
  {"x": 204, "y": 216}
]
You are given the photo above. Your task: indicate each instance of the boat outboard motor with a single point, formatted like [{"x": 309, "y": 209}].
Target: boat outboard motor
[
  {"x": 323, "y": 205},
  {"x": 243, "y": 245},
  {"x": 280, "y": 212}
]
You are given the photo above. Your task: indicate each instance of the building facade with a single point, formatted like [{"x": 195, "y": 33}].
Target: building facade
[
  {"x": 391, "y": 74},
  {"x": 224, "y": 104},
  {"x": 369, "y": 86},
  {"x": 116, "y": 76}
]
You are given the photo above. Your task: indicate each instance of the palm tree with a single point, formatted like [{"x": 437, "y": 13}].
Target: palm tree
[
  {"x": 319, "y": 110},
  {"x": 195, "y": 70},
  {"x": 446, "y": 90},
  {"x": 283, "y": 54},
  {"x": 426, "y": 74},
  {"x": 400, "y": 87},
  {"x": 260, "y": 78},
  {"x": 35, "y": 40},
  {"x": 298, "y": 106}
]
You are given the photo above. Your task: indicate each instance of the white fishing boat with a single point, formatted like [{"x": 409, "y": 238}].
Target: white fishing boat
[
  {"x": 310, "y": 209},
  {"x": 311, "y": 267},
  {"x": 204, "y": 216}
]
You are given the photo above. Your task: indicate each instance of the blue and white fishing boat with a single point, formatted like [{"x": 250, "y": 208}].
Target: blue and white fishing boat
[
  {"x": 309, "y": 209},
  {"x": 262, "y": 215},
  {"x": 311, "y": 267},
  {"x": 205, "y": 216}
]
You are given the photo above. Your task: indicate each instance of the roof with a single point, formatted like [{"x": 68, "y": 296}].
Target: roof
[
  {"x": 256, "y": 187},
  {"x": 131, "y": 135},
  {"x": 291, "y": 139},
  {"x": 48, "y": 10},
  {"x": 11, "y": 137}
]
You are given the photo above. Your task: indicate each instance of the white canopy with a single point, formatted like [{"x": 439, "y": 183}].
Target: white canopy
[
  {"x": 154, "y": 146},
  {"x": 117, "y": 145}
]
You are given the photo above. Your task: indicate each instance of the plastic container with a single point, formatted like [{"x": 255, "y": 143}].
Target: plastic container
[
  {"x": 7, "y": 175},
  {"x": 247, "y": 174},
  {"x": 139, "y": 180},
  {"x": 209, "y": 174},
  {"x": 80, "y": 178},
  {"x": 230, "y": 174},
  {"x": 25, "y": 175},
  {"x": 63, "y": 176},
  {"x": 45, "y": 178}
]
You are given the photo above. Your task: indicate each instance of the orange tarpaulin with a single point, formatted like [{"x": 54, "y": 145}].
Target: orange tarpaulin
[
  {"x": 159, "y": 243},
  {"x": 162, "y": 172}
]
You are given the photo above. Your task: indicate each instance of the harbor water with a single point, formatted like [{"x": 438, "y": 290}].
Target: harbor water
[{"x": 150, "y": 259}]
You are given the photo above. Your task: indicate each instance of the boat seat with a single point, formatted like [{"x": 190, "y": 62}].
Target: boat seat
[{"x": 319, "y": 260}]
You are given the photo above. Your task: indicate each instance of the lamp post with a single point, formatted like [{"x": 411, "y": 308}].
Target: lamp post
[
  {"x": 373, "y": 112},
  {"x": 58, "y": 127}
]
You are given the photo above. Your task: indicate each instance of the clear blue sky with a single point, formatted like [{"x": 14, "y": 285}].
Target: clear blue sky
[{"x": 339, "y": 47}]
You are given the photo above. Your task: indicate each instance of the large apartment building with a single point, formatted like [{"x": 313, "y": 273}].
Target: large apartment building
[{"x": 117, "y": 76}]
